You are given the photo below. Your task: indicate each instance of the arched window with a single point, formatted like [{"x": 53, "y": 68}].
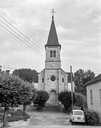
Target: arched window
[
  {"x": 53, "y": 78},
  {"x": 54, "y": 53},
  {"x": 63, "y": 80},
  {"x": 50, "y": 53},
  {"x": 42, "y": 80}
]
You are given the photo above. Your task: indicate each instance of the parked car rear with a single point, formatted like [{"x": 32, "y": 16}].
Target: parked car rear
[{"x": 77, "y": 116}]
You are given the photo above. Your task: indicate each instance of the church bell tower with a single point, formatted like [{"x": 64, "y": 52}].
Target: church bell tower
[
  {"x": 53, "y": 49},
  {"x": 53, "y": 78}
]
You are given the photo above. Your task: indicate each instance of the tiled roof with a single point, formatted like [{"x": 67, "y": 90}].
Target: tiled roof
[
  {"x": 52, "y": 37},
  {"x": 95, "y": 80}
]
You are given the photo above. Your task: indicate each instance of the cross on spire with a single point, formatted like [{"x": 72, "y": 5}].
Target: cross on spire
[{"x": 53, "y": 12}]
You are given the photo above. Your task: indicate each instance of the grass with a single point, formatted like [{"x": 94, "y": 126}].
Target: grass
[{"x": 15, "y": 115}]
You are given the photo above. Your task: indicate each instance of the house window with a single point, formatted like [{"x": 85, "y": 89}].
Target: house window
[
  {"x": 100, "y": 95},
  {"x": 91, "y": 97},
  {"x": 42, "y": 80}
]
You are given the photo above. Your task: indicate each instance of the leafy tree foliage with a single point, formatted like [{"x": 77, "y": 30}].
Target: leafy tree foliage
[
  {"x": 80, "y": 100},
  {"x": 66, "y": 99},
  {"x": 27, "y": 74},
  {"x": 13, "y": 92},
  {"x": 9, "y": 92},
  {"x": 40, "y": 99},
  {"x": 81, "y": 77},
  {"x": 25, "y": 95}
]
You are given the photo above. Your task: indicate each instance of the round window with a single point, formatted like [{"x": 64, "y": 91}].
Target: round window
[{"x": 53, "y": 78}]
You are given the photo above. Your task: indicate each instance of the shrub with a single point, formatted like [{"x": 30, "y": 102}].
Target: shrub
[
  {"x": 40, "y": 99},
  {"x": 92, "y": 118},
  {"x": 65, "y": 99},
  {"x": 18, "y": 115},
  {"x": 15, "y": 116},
  {"x": 80, "y": 100}
]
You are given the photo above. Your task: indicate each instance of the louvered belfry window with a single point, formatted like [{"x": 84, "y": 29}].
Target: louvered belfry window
[{"x": 53, "y": 53}]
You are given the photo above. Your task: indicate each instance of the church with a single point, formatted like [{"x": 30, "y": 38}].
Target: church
[{"x": 53, "y": 78}]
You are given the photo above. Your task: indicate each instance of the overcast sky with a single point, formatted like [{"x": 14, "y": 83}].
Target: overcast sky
[{"x": 78, "y": 24}]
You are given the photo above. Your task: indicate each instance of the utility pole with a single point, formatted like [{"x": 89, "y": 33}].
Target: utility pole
[{"x": 71, "y": 74}]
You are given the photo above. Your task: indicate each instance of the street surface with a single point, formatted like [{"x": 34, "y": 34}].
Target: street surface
[{"x": 48, "y": 120}]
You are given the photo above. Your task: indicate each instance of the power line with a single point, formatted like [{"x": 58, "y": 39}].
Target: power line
[
  {"x": 13, "y": 30},
  {"x": 13, "y": 33}
]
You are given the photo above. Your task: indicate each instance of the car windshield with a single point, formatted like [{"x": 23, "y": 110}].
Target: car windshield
[{"x": 77, "y": 113}]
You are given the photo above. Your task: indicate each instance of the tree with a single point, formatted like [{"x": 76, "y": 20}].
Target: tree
[
  {"x": 27, "y": 74},
  {"x": 9, "y": 92},
  {"x": 80, "y": 100},
  {"x": 25, "y": 95},
  {"x": 66, "y": 100},
  {"x": 40, "y": 99},
  {"x": 81, "y": 77}
]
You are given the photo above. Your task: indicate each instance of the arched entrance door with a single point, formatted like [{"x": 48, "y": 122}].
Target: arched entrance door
[{"x": 53, "y": 98}]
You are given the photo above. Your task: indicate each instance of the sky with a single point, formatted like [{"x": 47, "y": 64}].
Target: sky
[{"x": 78, "y": 25}]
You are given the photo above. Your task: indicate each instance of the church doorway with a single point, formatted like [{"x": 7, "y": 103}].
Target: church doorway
[{"x": 53, "y": 97}]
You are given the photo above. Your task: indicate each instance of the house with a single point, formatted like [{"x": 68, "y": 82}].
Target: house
[{"x": 94, "y": 95}]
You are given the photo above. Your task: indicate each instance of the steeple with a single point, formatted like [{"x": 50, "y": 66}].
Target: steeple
[{"x": 52, "y": 37}]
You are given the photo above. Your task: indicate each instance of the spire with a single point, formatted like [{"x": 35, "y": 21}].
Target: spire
[{"x": 52, "y": 37}]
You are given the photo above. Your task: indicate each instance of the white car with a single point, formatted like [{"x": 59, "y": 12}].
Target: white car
[{"x": 77, "y": 116}]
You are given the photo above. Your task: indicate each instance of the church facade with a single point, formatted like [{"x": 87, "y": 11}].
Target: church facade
[{"x": 53, "y": 77}]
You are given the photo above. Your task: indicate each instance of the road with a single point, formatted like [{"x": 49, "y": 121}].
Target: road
[{"x": 48, "y": 120}]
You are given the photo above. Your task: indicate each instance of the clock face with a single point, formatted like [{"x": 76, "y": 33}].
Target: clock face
[{"x": 53, "y": 78}]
